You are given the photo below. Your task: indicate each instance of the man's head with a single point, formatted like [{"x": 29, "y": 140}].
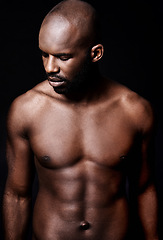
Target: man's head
[{"x": 69, "y": 41}]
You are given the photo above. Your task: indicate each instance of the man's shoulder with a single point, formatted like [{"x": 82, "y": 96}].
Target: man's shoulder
[
  {"x": 133, "y": 101},
  {"x": 28, "y": 103},
  {"x": 135, "y": 106}
]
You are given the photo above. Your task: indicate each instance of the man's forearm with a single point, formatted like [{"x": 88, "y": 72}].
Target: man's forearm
[
  {"x": 147, "y": 206},
  {"x": 16, "y": 213}
]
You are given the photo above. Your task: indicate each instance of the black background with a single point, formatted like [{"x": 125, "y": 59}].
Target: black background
[{"x": 132, "y": 37}]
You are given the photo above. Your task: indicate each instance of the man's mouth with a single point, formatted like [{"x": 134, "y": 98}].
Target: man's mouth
[{"x": 55, "y": 81}]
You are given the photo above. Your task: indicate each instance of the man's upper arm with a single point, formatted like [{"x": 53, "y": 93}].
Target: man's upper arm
[
  {"x": 140, "y": 170},
  {"x": 19, "y": 153},
  {"x": 147, "y": 147}
]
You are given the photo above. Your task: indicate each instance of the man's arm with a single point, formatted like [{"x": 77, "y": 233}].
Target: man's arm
[
  {"x": 144, "y": 182},
  {"x": 17, "y": 195},
  {"x": 147, "y": 198}
]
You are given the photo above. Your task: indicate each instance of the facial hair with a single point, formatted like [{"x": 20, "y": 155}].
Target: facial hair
[{"x": 80, "y": 82}]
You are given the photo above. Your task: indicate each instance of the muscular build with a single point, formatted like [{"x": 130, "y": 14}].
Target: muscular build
[{"x": 84, "y": 145}]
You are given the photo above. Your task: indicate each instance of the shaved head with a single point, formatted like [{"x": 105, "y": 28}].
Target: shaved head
[
  {"x": 79, "y": 16},
  {"x": 69, "y": 41}
]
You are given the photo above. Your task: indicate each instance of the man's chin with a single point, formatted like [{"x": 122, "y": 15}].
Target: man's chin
[{"x": 60, "y": 90}]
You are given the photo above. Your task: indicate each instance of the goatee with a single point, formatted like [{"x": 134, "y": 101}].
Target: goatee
[{"x": 81, "y": 82}]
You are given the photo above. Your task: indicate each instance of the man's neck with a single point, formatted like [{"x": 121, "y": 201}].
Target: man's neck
[{"x": 88, "y": 95}]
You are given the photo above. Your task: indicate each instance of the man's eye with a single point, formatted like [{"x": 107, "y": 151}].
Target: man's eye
[
  {"x": 64, "y": 58},
  {"x": 44, "y": 54}
]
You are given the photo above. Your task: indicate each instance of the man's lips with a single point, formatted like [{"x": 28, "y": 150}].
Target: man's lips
[{"x": 55, "y": 81}]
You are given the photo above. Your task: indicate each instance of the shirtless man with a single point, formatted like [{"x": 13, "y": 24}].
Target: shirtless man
[{"x": 85, "y": 134}]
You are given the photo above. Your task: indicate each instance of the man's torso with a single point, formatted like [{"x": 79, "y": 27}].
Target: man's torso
[{"x": 82, "y": 153}]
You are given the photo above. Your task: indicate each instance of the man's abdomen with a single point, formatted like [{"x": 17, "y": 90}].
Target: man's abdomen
[
  {"x": 80, "y": 210},
  {"x": 67, "y": 223}
]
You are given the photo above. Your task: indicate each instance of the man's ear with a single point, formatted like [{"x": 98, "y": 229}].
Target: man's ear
[{"x": 97, "y": 52}]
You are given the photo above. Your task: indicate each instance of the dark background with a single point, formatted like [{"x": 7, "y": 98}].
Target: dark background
[{"x": 132, "y": 37}]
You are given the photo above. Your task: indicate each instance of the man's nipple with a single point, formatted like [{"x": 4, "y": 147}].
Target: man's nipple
[
  {"x": 123, "y": 158},
  {"x": 46, "y": 158}
]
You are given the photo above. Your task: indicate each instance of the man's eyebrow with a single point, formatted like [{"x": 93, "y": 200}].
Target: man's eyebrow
[
  {"x": 58, "y": 54},
  {"x": 61, "y": 54}
]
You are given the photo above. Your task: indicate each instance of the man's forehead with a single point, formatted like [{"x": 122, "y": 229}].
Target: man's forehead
[
  {"x": 59, "y": 31},
  {"x": 56, "y": 27}
]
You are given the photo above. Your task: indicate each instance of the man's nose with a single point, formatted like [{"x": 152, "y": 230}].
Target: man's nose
[{"x": 51, "y": 65}]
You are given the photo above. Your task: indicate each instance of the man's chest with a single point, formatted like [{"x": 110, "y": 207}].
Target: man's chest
[{"x": 67, "y": 137}]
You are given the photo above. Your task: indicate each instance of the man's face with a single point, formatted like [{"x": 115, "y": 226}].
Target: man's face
[{"x": 66, "y": 62}]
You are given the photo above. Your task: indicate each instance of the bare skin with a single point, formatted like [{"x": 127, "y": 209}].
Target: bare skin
[{"x": 83, "y": 149}]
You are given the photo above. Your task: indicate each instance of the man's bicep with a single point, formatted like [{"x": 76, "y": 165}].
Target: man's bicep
[
  {"x": 148, "y": 152},
  {"x": 19, "y": 155},
  {"x": 142, "y": 160},
  {"x": 20, "y": 166}
]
